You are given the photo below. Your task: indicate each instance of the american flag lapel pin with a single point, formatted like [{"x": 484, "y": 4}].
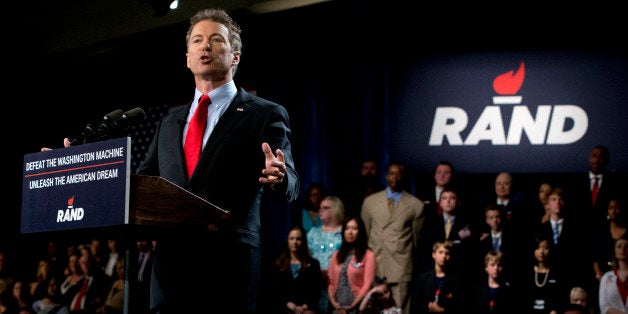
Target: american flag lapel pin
[{"x": 240, "y": 109}]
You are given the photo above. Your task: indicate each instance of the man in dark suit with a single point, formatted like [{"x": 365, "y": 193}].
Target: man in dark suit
[
  {"x": 443, "y": 176},
  {"x": 219, "y": 271},
  {"x": 566, "y": 239},
  {"x": 589, "y": 210},
  {"x": 464, "y": 238}
]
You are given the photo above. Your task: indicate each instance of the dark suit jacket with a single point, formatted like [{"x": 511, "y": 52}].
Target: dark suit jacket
[
  {"x": 579, "y": 198},
  {"x": 464, "y": 249},
  {"x": 570, "y": 255},
  {"x": 451, "y": 294},
  {"x": 227, "y": 175},
  {"x": 304, "y": 289},
  {"x": 514, "y": 258},
  {"x": 483, "y": 301}
]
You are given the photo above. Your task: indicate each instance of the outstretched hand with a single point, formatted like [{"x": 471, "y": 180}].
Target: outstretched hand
[
  {"x": 66, "y": 143},
  {"x": 275, "y": 170}
]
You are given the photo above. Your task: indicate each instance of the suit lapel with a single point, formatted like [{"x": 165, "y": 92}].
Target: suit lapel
[
  {"x": 177, "y": 137},
  {"x": 237, "y": 110}
]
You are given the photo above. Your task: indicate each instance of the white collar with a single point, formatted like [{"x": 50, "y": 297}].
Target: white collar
[
  {"x": 593, "y": 176},
  {"x": 559, "y": 221}
]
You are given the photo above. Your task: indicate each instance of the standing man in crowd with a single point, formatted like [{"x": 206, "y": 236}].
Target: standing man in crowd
[
  {"x": 430, "y": 194},
  {"x": 393, "y": 219}
]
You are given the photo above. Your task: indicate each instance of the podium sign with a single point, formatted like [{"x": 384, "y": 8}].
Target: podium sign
[{"x": 77, "y": 187}]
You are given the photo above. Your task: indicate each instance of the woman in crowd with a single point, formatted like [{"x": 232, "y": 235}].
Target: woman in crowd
[
  {"x": 351, "y": 269},
  {"x": 296, "y": 277},
  {"x": 325, "y": 239},
  {"x": 614, "y": 283}
]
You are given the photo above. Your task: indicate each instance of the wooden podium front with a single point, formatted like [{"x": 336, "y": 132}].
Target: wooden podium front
[{"x": 157, "y": 202}]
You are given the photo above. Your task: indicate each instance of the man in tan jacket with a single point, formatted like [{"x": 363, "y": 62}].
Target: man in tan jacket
[{"x": 393, "y": 219}]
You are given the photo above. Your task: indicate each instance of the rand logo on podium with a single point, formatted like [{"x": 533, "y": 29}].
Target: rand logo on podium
[
  {"x": 82, "y": 186},
  {"x": 91, "y": 186}
]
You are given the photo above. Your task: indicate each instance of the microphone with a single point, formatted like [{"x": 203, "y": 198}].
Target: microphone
[
  {"x": 107, "y": 123},
  {"x": 90, "y": 132},
  {"x": 128, "y": 118}
]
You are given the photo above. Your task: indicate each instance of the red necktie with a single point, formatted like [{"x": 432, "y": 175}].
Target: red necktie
[
  {"x": 594, "y": 191},
  {"x": 80, "y": 295},
  {"x": 194, "y": 138}
]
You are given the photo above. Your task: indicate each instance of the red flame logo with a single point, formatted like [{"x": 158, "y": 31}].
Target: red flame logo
[
  {"x": 509, "y": 83},
  {"x": 71, "y": 201}
]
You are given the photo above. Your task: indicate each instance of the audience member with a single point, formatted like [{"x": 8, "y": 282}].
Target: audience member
[
  {"x": 366, "y": 184},
  {"x": 51, "y": 302},
  {"x": 453, "y": 225},
  {"x": 113, "y": 254},
  {"x": 7, "y": 304},
  {"x": 351, "y": 269},
  {"x": 578, "y": 302},
  {"x": 437, "y": 289},
  {"x": 21, "y": 294},
  {"x": 542, "y": 211},
  {"x": 393, "y": 219},
  {"x": 140, "y": 277},
  {"x": 379, "y": 299},
  {"x": 68, "y": 287},
  {"x": 614, "y": 283},
  {"x": 568, "y": 241},
  {"x": 542, "y": 285},
  {"x": 493, "y": 294},
  {"x": 590, "y": 195},
  {"x": 307, "y": 215},
  {"x": 325, "y": 239},
  {"x": 501, "y": 240},
  {"x": 443, "y": 176},
  {"x": 39, "y": 286},
  {"x": 296, "y": 277},
  {"x": 513, "y": 210},
  {"x": 114, "y": 303},
  {"x": 604, "y": 241},
  {"x": 593, "y": 192},
  {"x": 92, "y": 287}
]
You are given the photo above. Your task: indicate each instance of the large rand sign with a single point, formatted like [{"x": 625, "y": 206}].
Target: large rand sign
[
  {"x": 78, "y": 187},
  {"x": 518, "y": 112}
]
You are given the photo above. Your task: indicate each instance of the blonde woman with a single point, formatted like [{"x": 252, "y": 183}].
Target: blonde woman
[{"x": 325, "y": 239}]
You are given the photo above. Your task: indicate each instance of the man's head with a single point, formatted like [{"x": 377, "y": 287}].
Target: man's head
[
  {"x": 503, "y": 185},
  {"x": 448, "y": 201},
  {"x": 555, "y": 202},
  {"x": 213, "y": 45},
  {"x": 598, "y": 159},
  {"x": 369, "y": 168},
  {"x": 443, "y": 173},
  {"x": 492, "y": 216},
  {"x": 579, "y": 296},
  {"x": 395, "y": 176}
]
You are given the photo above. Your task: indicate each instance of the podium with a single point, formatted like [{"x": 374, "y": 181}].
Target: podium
[
  {"x": 159, "y": 203},
  {"x": 90, "y": 188}
]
